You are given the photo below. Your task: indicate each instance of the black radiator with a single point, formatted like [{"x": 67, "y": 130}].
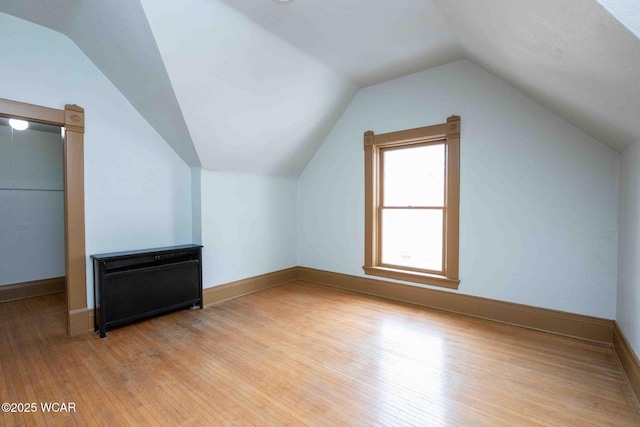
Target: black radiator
[{"x": 132, "y": 285}]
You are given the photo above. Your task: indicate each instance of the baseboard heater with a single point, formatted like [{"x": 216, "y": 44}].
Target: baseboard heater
[{"x": 133, "y": 285}]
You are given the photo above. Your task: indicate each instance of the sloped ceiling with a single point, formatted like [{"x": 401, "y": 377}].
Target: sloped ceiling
[
  {"x": 570, "y": 56},
  {"x": 368, "y": 41},
  {"x": 578, "y": 58},
  {"x": 116, "y": 37},
  {"x": 255, "y": 85},
  {"x": 252, "y": 101}
]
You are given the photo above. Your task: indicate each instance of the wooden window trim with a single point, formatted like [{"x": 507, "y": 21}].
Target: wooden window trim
[{"x": 447, "y": 133}]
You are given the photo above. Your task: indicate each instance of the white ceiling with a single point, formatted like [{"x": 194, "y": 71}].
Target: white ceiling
[
  {"x": 368, "y": 41},
  {"x": 255, "y": 86},
  {"x": 570, "y": 56},
  {"x": 253, "y": 103}
]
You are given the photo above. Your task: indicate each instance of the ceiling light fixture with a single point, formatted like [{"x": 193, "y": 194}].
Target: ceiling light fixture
[
  {"x": 283, "y": 1},
  {"x": 18, "y": 124}
]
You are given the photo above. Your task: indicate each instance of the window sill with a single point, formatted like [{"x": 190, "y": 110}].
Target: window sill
[{"x": 413, "y": 276}]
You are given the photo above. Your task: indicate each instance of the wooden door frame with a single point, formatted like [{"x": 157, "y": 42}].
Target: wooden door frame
[{"x": 72, "y": 120}]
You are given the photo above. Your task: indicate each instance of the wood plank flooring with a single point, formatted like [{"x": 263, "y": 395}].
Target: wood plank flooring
[{"x": 304, "y": 354}]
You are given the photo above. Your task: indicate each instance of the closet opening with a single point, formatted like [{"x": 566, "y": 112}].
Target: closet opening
[
  {"x": 32, "y": 235},
  {"x": 28, "y": 178}
]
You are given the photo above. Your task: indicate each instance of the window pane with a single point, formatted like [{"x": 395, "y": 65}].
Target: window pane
[
  {"x": 412, "y": 238},
  {"x": 414, "y": 176}
]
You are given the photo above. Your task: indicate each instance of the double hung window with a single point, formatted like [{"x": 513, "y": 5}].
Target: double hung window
[{"x": 412, "y": 193}]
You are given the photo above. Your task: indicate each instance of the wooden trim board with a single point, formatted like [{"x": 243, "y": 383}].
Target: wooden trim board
[
  {"x": 74, "y": 216},
  {"x": 543, "y": 319},
  {"x": 247, "y": 286},
  {"x": 628, "y": 359},
  {"x": 34, "y": 288},
  {"x": 554, "y": 321},
  {"x": 91, "y": 315},
  {"x": 546, "y": 320},
  {"x": 212, "y": 295},
  {"x": 26, "y": 111},
  {"x": 78, "y": 321}
]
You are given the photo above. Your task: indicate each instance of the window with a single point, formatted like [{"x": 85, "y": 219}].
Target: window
[{"x": 412, "y": 198}]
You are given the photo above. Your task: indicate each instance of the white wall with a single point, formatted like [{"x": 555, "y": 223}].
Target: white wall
[
  {"x": 539, "y": 197},
  {"x": 31, "y": 159},
  {"x": 248, "y": 225},
  {"x": 628, "y": 309},
  {"x": 196, "y": 204},
  {"x": 31, "y": 206},
  {"x": 137, "y": 190},
  {"x": 538, "y": 218},
  {"x": 31, "y": 235}
]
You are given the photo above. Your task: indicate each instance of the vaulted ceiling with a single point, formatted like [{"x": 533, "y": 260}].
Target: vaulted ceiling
[
  {"x": 116, "y": 37},
  {"x": 255, "y": 85}
]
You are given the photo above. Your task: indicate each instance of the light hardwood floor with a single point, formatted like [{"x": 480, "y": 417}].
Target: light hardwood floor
[{"x": 304, "y": 354}]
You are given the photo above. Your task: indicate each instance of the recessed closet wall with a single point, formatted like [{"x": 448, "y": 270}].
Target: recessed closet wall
[{"x": 31, "y": 204}]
